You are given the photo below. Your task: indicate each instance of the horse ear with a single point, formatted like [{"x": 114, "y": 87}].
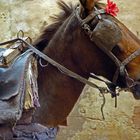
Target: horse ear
[{"x": 88, "y": 5}]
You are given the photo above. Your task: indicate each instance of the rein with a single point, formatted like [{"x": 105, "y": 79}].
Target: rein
[
  {"x": 57, "y": 65},
  {"x": 64, "y": 70}
]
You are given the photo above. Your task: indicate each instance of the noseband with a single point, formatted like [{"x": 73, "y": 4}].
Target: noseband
[{"x": 121, "y": 66}]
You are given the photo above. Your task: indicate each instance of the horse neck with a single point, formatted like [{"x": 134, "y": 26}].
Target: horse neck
[{"x": 57, "y": 92}]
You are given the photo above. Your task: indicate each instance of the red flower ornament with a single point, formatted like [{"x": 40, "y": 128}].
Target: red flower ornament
[{"x": 111, "y": 8}]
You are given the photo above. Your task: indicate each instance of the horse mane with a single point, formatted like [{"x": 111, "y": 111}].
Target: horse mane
[
  {"x": 66, "y": 9},
  {"x": 57, "y": 20}
]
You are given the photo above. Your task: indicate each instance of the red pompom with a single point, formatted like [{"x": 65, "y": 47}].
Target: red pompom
[{"x": 111, "y": 8}]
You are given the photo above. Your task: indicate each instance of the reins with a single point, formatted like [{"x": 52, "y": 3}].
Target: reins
[
  {"x": 57, "y": 65},
  {"x": 64, "y": 70}
]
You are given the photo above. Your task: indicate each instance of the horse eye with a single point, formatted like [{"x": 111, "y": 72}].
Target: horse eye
[
  {"x": 116, "y": 49},
  {"x": 95, "y": 20}
]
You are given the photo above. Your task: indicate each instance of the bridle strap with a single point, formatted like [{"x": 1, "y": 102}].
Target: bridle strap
[
  {"x": 88, "y": 31},
  {"x": 130, "y": 58},
  {"x": 130, "y": 81}
]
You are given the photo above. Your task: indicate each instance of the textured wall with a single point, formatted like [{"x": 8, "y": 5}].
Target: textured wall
[
  {"x": 85, "y": 121},
  {"x": 31, "y": 15},
  {"x": 28, "y": 15}
]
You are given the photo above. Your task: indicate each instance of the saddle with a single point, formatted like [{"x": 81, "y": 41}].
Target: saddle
[{"x": 13, "y": 87}]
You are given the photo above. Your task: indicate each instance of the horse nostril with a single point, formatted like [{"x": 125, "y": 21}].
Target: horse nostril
[{"x": 136, "y": 91}]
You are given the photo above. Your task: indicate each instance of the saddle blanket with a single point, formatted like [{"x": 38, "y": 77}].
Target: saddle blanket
[{"x": 18, "y": 88}]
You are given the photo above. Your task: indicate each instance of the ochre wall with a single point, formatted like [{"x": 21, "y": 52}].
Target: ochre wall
[{"x": 85, "y": 121}]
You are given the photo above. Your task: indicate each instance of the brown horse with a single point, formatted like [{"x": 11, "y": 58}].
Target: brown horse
[{"x": 65, "y": 42}]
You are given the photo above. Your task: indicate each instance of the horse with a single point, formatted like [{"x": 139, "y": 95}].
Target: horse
[{"x": 66, "y": 42}]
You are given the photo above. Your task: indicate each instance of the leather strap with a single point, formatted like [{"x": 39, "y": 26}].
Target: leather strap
[
  {"x": 88, "y": 31},
  {"x": 57, "y": 65}
]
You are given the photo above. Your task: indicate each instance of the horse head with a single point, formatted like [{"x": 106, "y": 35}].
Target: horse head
[{"x": 126, "y": 49}]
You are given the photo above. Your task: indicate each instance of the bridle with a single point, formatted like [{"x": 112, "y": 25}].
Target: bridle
[
  {"x": 121, "y": 66},
  {"x": 84, "y": 24}
]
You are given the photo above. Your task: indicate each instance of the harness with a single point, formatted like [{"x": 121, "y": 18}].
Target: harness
[
  {"x": 121, "y": 66},
  {"x": 112, "y": 88}
]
